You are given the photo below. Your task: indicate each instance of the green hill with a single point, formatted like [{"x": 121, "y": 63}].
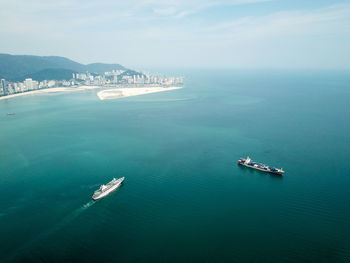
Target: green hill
[
  {"x": 14, "y": 67},
  {"x": 49, "y": 74},
  {"x": 131, "y": 73},
  {"x": 101, "y": 68}
]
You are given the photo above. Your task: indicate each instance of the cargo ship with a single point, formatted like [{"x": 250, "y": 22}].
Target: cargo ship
[
  {"x": 105, "y": 190},
  {"x": 259, "y": 166}
]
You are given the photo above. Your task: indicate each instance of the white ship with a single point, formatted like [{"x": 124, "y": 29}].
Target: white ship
[{"x": 105, "y": 190}]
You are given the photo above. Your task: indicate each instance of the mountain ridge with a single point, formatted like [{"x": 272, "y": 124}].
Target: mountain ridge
[{"x": 18, "y": 67}]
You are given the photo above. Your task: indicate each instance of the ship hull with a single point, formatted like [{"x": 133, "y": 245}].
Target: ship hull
[
  {"x": 260, "y": 169},
  {"x": 108, "y": 191}
]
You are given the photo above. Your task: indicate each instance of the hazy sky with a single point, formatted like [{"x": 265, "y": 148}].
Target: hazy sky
[{"x": 181, "y": 33}]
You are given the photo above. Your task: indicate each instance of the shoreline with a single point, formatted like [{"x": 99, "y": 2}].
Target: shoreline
[
  {"x": 50, "y": 90},
  {"x": 106, "y": 94},
  {"x": 118, "y": 93}
]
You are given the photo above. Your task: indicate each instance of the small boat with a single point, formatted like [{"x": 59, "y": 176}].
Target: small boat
[
  {"x": 105, "y": 190},
  {"x": 259, "y": 166},
  {"x": 11, "y": 113}
]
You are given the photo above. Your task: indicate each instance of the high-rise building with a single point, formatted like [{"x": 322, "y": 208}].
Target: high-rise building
[
  {"x": 51, "y": 83},
  {"x": 28, "y": 84},
  {"x": 3, "y": 86},
  {"x": 35, "y": 85}
]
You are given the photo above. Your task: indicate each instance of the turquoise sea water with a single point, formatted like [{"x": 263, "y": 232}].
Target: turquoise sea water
[{"x": 184, "y": 198}]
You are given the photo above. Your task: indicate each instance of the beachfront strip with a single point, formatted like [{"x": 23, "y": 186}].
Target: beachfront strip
[
  {"x": 114, "y": 78},
  {"x": 108, "y": 94},
  {"x": 128, "y": 92}
]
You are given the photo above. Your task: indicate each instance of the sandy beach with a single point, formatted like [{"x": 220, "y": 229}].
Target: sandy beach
[
  {"x": 50, "y": 90},
  {"x": 103, "y": 95},
  {"x": 128, "y": 92}
]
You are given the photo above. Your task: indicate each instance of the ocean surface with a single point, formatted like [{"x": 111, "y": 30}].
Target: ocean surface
[{"x": 184, "y": 198}]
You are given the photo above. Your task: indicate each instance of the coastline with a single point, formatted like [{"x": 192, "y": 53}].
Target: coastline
[
  {"x": 118, "y": 93},
  {"x": 49, "y": 90},
  {"x": 107, "y": 94}
]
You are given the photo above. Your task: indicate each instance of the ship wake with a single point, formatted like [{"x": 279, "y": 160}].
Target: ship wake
[
  {"x": 74, "y": 214},
  {"x": 65, "y": 221}
]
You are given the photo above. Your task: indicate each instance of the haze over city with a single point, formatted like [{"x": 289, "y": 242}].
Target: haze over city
[{"x": 191, "y": 33}]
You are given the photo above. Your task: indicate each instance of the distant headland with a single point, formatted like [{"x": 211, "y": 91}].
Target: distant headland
[
  {"x": 20, "y": 67},
  {"x": 23, "y": 74}
]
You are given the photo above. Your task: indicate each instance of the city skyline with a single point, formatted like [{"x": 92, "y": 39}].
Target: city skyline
[
  {"x": 146, "y": 34},
  {"x": 107, "y": 79}
]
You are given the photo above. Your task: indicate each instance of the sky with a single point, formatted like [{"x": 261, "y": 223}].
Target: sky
[{"x": 182, "y": 33}]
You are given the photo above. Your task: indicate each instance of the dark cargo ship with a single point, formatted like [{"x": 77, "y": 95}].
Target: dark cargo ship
[{"x": 259, "y": 166}]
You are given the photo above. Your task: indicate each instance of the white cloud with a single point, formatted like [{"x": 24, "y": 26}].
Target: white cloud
[
  {"x": 182, "y": 8},
  {"x": 165, "y": 11},
  {"x": 155, "y": 31},
  {"x": 335, "y": 18}
]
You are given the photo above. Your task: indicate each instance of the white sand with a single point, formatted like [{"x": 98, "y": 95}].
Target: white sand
[
  {"x": 103, "y": 95},
  {"x": 128, "y": 92},
  {"x": 49, "y": 90}
]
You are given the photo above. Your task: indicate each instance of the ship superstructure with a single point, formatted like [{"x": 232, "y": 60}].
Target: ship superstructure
[
  {"x": 105, "y": 190},
  {"x": 259, "y": 166}
]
